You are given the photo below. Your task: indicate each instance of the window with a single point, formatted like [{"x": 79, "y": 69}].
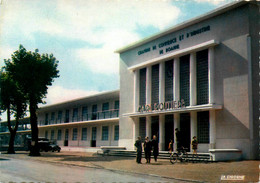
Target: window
[
  {"x": 105, "y": 108},
  {"x": 168, "y": 82},
  {"x": 59, "y": 116},
  {"x": 94, "y": 133},
  {"x": 75, "y": 134},
  {"x": 46, "y": 134},
  {"x": 75, "y": 114},
  {"x": 94, "y": 112},
  {"x": 59, "y": 135},
  {"x": 203, "y": 126},
  {"x": 84, "y": 113},
  {"x": 67, "y": 116},
  {"x": 116, "y": 104},
  {"x": 46, "y": 118},
  {"x": 155, "y": 84},
  {"x": 142, "y": 87},
  {"x": 116, "y": 109},
  {"x": 52, "y": 117},
  {"x": 84, "y": 134},
  {"x": 104, "y": 132},
  {"x": 52, "y": 134},
  {"x": 116, "y": 135},
  {"x": 202, "y": 77},
  {"x": 185, "y": 79}
]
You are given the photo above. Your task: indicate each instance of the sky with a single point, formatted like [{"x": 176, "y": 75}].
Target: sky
[{"x": 84, "y": 34}]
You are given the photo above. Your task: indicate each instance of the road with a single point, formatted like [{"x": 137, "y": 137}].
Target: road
[{"x": 14, "y": 170}]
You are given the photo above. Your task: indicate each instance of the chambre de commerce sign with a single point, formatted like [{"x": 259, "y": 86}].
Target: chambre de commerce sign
[
  {"x": 162, "y": 106},
  {"x": 173, "y": 43}
]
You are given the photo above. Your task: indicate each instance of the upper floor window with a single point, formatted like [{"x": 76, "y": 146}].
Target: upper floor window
[
  {"x": 94, "y": 112},
  {"x": 46, "y": 119},
  {"x": 75, "y": 114},
  {"x": 105, "y": 112},
  {"x": 52, "y": 117},
  {"x": 84, "y": 113},
  {"x": 59, "y": 116},
  {"x": 67, "y": 116}
]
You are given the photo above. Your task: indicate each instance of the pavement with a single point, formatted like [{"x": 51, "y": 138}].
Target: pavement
[{"x": 239, "y": 171}]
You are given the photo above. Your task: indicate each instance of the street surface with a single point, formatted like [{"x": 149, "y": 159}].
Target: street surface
[{"x": 14, "y": 170}]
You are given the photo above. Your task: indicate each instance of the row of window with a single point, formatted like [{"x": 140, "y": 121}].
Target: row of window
[
  {"x": 105, "y": 133},
  {"x": 201, "y": 80},
  {"x": 85, "y": 114}
]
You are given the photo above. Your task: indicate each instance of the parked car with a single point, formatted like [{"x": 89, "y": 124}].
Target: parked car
[{"x": 44, "y": 145}]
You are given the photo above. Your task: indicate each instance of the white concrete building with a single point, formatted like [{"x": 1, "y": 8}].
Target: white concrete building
[
  {"x": 201, "y": 76},
  {"x": 87, "y": 122}
]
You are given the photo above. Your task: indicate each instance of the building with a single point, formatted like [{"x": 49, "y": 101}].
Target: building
[
  {"x": 201, "y": 76},
  {"x": 87, "y": 122}
]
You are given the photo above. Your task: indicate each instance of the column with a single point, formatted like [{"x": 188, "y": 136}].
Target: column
[
  {"x": 176, "y": 80},
  {"x": 135, "y": 130},
  {"x": 176, "y": 125},
  {"x": 136, "y": 89},
  {"x": 193, "y": 124},
  {"x": 148, "y": 85},
  {"x": 161, "y": 82},
  {"x": 193, "y": 80},
  {"x": 212, "y": 129},
  {"x": 211, "y": 75},
  {"x": 148, "y": 127},
  {"x": 161, "y": 132}
]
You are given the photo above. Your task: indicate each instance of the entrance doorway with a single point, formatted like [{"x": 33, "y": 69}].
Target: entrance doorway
[
  {"x": 155, "y": 127},
  {"x": 66, "y": 141},
  {"x": 93, "y": 137},
  {"x": 185, "y": 130},
  {"x": 169, "y": 130}
]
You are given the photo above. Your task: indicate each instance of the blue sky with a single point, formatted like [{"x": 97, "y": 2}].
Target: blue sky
[{"x": 84, "y": 34}]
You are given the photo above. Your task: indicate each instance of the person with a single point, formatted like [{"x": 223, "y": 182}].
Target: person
[
  {"x": 194, "y": 144},
  {"x": 170, "y": 147},
  {"x": 147, "y": 149},
  {"x": 138, "y": 145},
  {"x": 155, "y": 148},
  {"x": 178, "y": 138}
]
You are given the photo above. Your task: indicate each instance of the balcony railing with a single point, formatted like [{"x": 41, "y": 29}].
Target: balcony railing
[{"x": 114, "y": 113}]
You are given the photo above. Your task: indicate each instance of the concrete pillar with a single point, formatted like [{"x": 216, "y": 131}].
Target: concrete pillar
[
  {"x": 176, "y": 125},
  {"x": 135, "y": 130},
  {"x": 176, "y": 80},
  {"x": 193, "y": 80},
  {"x": 148, "y": 127},
  {"x": 161, "y": 132},
  {"x": 136, "y": 89},
  {"x": 193, "y": 124},
  {"x": 148, "y": 85},
  {"x": 212, "y": 129},
  {"x": 162, "y": 82},
  {"x": 211, "y": 75}
]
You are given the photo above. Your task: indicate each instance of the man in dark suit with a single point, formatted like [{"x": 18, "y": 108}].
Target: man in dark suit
[{"x": 138, "y": 145}]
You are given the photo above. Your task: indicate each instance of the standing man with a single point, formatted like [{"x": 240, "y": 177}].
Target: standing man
[
  {"x": 147, "y": 149},
  {"x": 155, "y": 147},
  {"x": 138, "y": 145}
]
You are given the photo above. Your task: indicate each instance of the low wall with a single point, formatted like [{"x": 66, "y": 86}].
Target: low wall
[{"x": 226, "y": 154}]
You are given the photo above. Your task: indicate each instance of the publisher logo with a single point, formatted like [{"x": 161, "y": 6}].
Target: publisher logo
[{"x": 232, "y": 177}]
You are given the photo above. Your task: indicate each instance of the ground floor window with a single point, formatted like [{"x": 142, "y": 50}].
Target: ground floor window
[
  {"x": 116, "y": 135},
  {"x": 52, "y": 135},
  {"x": 84, "y": 134},
  {"x": 59, "y": 135},
  {"x": 46, "y": 134},
  {"x": 75, "y": 134},
  {"x": 203, "y": 126},
  {"x": 104, "y": 132},
  {"x": 142, "y": 127}
]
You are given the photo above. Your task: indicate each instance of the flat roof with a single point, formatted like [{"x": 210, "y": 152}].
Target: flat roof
[
  {"x": 89, "y": 98},
  {"x": 185, "y": 24}
]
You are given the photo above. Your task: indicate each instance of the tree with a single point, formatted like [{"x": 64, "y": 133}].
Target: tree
[
  {"x": 33, "y": 73},
  {"x": 12, "y": 101}
]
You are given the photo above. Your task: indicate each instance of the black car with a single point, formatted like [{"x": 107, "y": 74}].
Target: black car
[{"x": 44, "y": 145}]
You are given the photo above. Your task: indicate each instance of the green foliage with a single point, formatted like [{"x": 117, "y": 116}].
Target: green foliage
[{"x": 33, "y": 72}]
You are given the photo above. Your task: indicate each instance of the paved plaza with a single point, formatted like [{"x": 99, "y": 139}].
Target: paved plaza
[{"x": 248, "y": 171}]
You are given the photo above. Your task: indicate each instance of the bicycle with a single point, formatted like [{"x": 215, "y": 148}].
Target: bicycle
[{"x": 180, "y": 155}]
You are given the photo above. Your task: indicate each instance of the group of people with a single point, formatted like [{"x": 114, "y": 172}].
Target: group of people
[
  {"x": 152, "y": 146},
  {"x": 149, "y": 146}
]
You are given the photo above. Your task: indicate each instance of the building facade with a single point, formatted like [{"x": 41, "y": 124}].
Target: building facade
[
  {"x": 201, "y": 77},
  {"x": 87, "y": 122}
]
